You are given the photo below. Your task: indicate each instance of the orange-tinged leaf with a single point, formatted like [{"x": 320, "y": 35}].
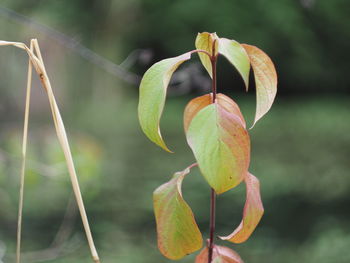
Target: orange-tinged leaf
[
  {"x": 219, "y": 141},
  {"x": 230, "y": 106},
  {"x": 252, "y": 212},
  {"x": 153, "y": 89},
  {"x": 265, "y": 80},
  {"x": 237, "y": 56},
  {"x": 205, "y": 41},
  {"x": 178, "y": 233},
  {"x": 220, "y": 255},
  {"x": 196, "y": 104}
]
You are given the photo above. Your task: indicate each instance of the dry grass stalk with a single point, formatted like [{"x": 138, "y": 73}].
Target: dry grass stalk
[
  {"x": 24, "y": 153},
  {"x": 38, "y": 64}
]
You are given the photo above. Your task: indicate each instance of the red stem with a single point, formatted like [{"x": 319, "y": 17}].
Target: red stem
[
  {"x": 213, "y": 59},
  {"x": 192, "y": 165},
  {"x": 213, "y": 65},
  {"x": 212, "y": 224},
  {"x": 201, "y": 51}
]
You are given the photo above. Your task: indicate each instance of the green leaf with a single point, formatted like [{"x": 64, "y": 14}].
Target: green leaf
[
  {"x": 252, "y": 212},
  {"x": 205, "y": 41},
  {"x": 265, "y": 80},
  {"x": 220, "y": 144},
  {"x": 237, "y": 56},
  {"x": 220, "y": 255},
  {"x": 178, "y": 233},
  {"x": 153, "y": 89},
  {"x": 195, "y": 105},
  {"x": 230, "y": 106}
]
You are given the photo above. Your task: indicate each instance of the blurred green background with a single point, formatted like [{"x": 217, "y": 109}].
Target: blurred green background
[{"x": 95, "y": 52}]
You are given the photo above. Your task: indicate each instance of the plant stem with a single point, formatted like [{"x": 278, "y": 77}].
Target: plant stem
[
  {"x": 213, "y": 66},
  {"x": 213, "y": 194},
  {"x": 212, "y": 224},
  {"x": 62, "y": 137},
  {"x": 24, "y": 155}
]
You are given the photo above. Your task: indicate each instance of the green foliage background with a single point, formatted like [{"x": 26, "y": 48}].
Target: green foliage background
[{"x": 300, "y": 149}]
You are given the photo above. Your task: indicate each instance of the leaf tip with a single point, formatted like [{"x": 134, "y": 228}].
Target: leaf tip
[
  {"x": 164, "y": 147},
  {"x": 253, "y": 125},
  {"x": 246, "y": 83}
]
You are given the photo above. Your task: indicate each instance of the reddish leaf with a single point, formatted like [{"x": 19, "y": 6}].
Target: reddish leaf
[
  {"x": 178, "y": 233},
  {"x": 220, "y": 255},
  {"x": 265, "y": 80},
  {"x": 219, "y": 141},
  {"x": 230, "y": 106},
  {"x": 195, "y": 105},
  {"x": 252, "y": 212}
]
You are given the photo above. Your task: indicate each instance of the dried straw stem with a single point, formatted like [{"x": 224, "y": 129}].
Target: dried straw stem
[{"x": 38, "y": 63}]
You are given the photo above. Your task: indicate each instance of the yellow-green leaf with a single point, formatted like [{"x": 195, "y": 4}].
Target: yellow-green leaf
[
  {"x": 195, "y": 105},
  {"x": 220, "y": 144},
  {"x": 153, "y": 89},
  {"x": 252, "y": 212},
  {"x": 230, "y": 106},
  {"x": 205, "y": 41},
  {"x": 220, "y": 255},
  {"x": 237, "y": 56},
  {"x": 178, "y": 233},
  {"x": 265, "y": 80}
]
